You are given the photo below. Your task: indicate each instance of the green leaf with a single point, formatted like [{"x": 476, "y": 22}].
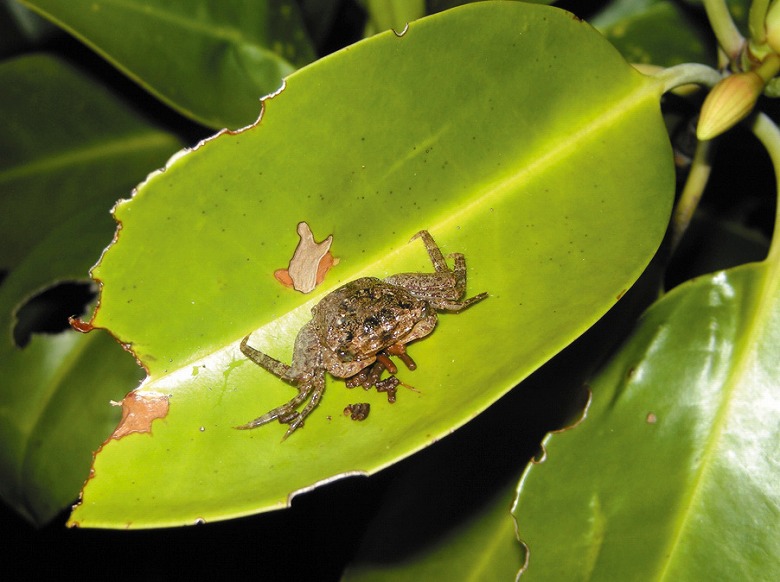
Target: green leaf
[
  {"x": 53, "y": 413},
  {"x": 66, "y": 144},
  {"x": 211, "y": 61},
  {"x": 674, "y": 472},
  {"x": 657, "y": 32},
  {"x": 483, "y": 546},
  {"x": 534, "y": 172},
  {"x": 53, "y": 404},
  {"x": 21, "y": 29},
  {"x": 60, "y": 172}
]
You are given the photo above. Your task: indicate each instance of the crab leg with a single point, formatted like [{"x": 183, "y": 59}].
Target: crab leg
[
  {"x": 434, "y": 252},
  {"x": 273, "y": 365},
  {"x": 280, "y": 411}
]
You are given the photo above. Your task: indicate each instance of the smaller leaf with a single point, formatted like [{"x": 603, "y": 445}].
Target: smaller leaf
[
  {"x": 674, "y": 472},
  {"x": 657, "y": 32},
  {"x": 66, "y": 144},
  {"x": 482, "y": 547},
  {"x": 211, "y": 61},
  {"x": 68, "y": 150},
  {"x": 55, "y": 391}
]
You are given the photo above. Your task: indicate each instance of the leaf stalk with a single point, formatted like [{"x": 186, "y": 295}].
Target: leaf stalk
[
  {"x": 727, "y": 33},
  {"x": 769, "y": 135}
]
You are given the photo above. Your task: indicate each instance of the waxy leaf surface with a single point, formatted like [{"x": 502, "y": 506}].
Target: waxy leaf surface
[
  {"x": 674, "y": 473},
  {"x": 60, "y": 173},
  {"x": 210, "y": 60},
  {"x": 513, "y": 132}
]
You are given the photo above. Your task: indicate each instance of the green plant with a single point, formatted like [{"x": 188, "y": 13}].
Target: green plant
[{"x": 519, "y": 136}]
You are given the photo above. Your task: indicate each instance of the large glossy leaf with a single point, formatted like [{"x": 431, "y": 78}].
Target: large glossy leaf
[
  {"x": 674, "y": 473},
  {"x": 517, "y": 145},
  {"x": 210, "y": 60},
  {"x": 60, "y": 172}
]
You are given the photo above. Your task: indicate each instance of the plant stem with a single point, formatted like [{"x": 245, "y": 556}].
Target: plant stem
[
  {"x": 701, "y": 167},
  {"x": 729, "y": 37},
  {"x": 672, "y": 78},
  {"x": 686, "y": 74},
  {"x": 756, "y": 18},
  {"x": 769, "y": 136}
]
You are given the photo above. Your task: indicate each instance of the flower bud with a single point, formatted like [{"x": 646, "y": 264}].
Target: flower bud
[
  {"x": 729, "y": 102},
  {"x": 772, "y": 26}
]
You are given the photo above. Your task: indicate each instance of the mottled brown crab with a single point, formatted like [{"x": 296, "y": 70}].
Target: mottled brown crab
[{"x": 356, "y": 328}]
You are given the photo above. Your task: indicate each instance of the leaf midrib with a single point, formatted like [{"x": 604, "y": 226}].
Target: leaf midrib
[
  {"x": 94, "y": 154},
  {"x": 649, "y": 90}
]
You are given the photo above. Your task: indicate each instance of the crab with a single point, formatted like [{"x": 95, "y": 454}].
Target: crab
[{"x": 356, "y": 329}]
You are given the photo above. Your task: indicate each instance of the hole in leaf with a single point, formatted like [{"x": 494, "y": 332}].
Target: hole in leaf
[{"x": 49, "y": 310}]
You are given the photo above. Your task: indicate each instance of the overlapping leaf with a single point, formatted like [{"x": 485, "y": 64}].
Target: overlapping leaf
[
  {"x": 60, "y": 173},
  {"x": 674, "y": 473},
  {"x": 654, "y": 32},
  {"x": 508, "y": 130},
  {"x": 211, "y": 61},
  {"x": 481, "y": 547}
]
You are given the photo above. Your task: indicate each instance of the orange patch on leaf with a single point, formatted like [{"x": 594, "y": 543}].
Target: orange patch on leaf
[{"x": 138, "y": 412}]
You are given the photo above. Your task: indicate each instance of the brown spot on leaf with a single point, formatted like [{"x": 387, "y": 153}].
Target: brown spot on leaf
[
  {"x": 139, "y": 409},
  {"x": 309, "y": 264},
  {"x": 80, "y": 325},
  {"x": 357, "y": 411}
]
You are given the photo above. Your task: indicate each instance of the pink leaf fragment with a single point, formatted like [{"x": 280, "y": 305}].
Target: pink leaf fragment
[{"x": 309, "y": 264}]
